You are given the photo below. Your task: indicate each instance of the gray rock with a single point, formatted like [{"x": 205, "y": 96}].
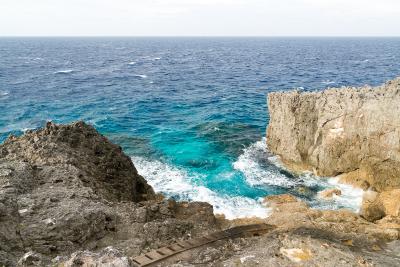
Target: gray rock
[
  {"x": 66, "y": 188},
  {"x": 30, "y": 259},
  {"x": 335, "y": 131},
  {"x": 108, "y": 257}
]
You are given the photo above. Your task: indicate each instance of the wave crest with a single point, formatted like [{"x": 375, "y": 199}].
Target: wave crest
[
  {"x": 4, "y": 93},
  {"x": 64, "y": 71},
  {"x": 143, "y": 76},
  {"x": 252, "y": 164}
]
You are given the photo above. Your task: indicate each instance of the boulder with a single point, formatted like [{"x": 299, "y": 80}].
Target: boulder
[
  {"x": 378, "y": 205},
  {"x": 334, "y": 224},
  {"x": 279, "y": 199},
  {"x": 330, "y": 192},
  {"x": 108, "y": 257}
]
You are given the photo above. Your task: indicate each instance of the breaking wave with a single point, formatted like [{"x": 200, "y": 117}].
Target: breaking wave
[
  {"x": 177, "y": 183},
  {"x": 327, "y": 82},
  {"x": 3, "y": 93},
  {"x": 262, "y": 169},
  {"x": 143, "y": 76},
  {"x": 350, "y": 198},
  {"x": 64, "y": 71},
  {"x": 252, "y": 164}
]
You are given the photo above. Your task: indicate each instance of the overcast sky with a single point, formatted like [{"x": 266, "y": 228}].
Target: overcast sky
[{"x": 200, "y": 17}]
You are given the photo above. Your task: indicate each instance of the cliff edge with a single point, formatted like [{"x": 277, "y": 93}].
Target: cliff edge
[
  {"x": 66, "y": 188},
  {"x": 351, "y": 132}
]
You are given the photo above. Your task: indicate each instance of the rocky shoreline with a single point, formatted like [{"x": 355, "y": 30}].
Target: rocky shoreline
[
  {"x": 352, "y": 133},
  {"x": 69, "y": 197}
]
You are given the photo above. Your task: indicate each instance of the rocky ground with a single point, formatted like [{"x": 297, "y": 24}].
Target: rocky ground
[
  {"x": 66, "y": 188},
  {"x": 69, "y": 197}
]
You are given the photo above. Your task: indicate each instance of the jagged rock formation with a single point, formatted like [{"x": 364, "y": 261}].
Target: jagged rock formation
[
  {"x": 352, "y": 132},
  {"x": 68, "y": 197},
  {"x": 305, "y": 237},
  {"x": 66, "y": 188}
]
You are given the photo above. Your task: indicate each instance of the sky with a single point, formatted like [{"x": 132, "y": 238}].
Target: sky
[{"x": 199, "y": 17}]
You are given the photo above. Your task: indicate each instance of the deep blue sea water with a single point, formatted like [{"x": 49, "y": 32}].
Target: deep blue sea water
[{"x": 191, "y": 112}]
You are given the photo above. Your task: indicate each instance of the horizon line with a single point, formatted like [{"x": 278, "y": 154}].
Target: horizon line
[{"x": 199, "y": 36}]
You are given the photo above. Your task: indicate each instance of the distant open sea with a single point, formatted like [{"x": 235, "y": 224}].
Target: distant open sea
[{"x": 191, "y": 112}]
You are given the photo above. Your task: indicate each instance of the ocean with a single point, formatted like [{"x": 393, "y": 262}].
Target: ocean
[{"x": 191, "y": 112}]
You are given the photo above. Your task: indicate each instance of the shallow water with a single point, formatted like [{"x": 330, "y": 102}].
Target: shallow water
[{"x": 190, "y": 111}]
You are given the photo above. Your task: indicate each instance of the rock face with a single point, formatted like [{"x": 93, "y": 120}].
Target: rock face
[
  {"x": 354, "y": 131},
  {"x": 65, "y": 153},
  {"x": 66, "y": 188}
]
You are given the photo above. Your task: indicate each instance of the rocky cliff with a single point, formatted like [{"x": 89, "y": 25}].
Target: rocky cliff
[
  {"x": 66, "y": 188},
  {"x": 352, "y": 132},
  {"x": 69, "y": 197}
]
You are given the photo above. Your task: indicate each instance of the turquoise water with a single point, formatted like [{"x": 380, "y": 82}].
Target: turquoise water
[{"x": 191, "y": 112}]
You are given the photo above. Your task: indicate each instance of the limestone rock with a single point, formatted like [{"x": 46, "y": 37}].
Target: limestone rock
[
  {"x": 378, "y": 205},
  {"x": 339, "y": 131},
  {"x": 66, "y": 188},
  {"x": 357, "y": 178},
  {"x": 342, "y": 224},
  {"x": 279, "y": 199},
  {"x": 308, "y": 237},
  {"x": 330, "y": 192},
  {"x": 296, "y": 255},
  {"x": 108, "y": 257}
]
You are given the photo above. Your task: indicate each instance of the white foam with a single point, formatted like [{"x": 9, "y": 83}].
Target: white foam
[
  {"x": 351, "y": 197},
  {"x": 328, "y": 82},
  {"x": 64, "y": 71},
  {"x": 24, "y": 130},
  {"x": 143, "y": 76},
  {"x": 254, "y": 173},
  {"x": 248, "y": 164},
  {"x": 132, "y": 63},
  {"x": 3, "y": 93},
  {"x": 176, "y": 182}
]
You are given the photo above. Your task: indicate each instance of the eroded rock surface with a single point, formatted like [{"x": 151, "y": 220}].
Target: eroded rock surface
[
  {"x": 304, "y": 237},
  {"x": 68, "y": 197},
  {"x": 353, "y": 131},
  {"x": 66, "y": 188}
]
